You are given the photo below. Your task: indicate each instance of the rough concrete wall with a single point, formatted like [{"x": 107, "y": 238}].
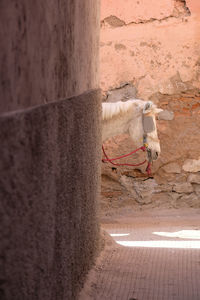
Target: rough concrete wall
[
  {"x": 150, "y": 50},
  {"x": 50, "y": 153},
  {"x": 48, "y": 195}
]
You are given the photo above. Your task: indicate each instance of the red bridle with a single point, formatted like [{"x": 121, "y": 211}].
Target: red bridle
[{"x": 110, "y": 160}]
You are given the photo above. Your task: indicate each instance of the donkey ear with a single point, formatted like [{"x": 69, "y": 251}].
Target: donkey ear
[{"x": 148, "y": 107}]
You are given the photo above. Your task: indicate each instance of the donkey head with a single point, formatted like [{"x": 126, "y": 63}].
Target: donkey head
[
  {"x": 150, "y": 136},
  {"x": 143, "y": 129}
]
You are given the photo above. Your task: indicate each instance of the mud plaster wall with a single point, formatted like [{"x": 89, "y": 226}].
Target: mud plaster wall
[
  {"x": 46, "y": 57},
  {"x": 50, "y": 153},
  {"x": 151, "y": 50},
  {"x": 148, "y": 43}
]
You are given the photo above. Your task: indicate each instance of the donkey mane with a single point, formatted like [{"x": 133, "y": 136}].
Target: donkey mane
[{"x": 110, "y": 110}]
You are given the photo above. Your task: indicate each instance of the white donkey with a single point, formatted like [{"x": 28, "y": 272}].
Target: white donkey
[{"x": 136, "y": 117}]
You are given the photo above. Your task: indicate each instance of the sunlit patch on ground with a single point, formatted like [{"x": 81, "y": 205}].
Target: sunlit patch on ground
[
  {"x": 119, "y": 234},
  {"x": 161, "y": 244},
  {"x": 183, "y": 234},
  {"x": 178, "y": 239}
]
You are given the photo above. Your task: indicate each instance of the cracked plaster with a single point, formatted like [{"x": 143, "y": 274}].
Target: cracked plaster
[
  {"x": 149, "y": 57},
  {"x": 115, "y": 13},
  {"x": 160, "y": 59}
]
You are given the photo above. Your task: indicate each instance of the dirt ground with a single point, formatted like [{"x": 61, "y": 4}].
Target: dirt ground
[{"x": 149, "y": 254}]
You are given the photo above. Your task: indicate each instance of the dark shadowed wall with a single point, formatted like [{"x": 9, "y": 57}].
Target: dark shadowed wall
[{"x": 50, "y": 147}]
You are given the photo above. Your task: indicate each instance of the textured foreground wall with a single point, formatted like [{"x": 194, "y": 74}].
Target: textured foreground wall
[
  {"x": 50, "y": 153},
  {"x": 151, "y": 50},
  {"x": 49, "y": 50}
]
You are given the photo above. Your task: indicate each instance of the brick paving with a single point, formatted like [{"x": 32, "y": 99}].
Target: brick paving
[{"x": 155, "y": 257}]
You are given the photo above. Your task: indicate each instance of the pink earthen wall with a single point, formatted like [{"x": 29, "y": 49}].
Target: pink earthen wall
[
  {"x": 151, "y": 50},
  {"x": 149, "y": 44}
]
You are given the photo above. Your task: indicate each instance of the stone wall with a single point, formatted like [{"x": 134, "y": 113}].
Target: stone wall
[
  {"x": 150, "y": 50},
  {"x": 50, "y": 147}
]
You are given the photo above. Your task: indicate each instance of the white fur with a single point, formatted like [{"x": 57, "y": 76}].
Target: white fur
[
  {"x": 126, "y": 117},
  {"x": 110, "y": 110}
]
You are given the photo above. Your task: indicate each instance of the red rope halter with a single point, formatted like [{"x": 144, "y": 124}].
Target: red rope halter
[{"x": 110, "y": 160}]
